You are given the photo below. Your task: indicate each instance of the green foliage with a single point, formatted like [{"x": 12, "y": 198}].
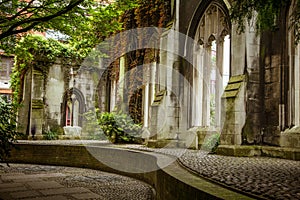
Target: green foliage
[
  {"x": 86, "y": 26},
  {"x": 8, "y": 128},
  {"x": 50, "y": 135},
  {"x": 22, "y": 16},
  {"x": 211, "y": 143},
  {"x": 39, "y": 52},
  {"x": 267, "y": 11},
  {"x": 119, "y": 128},
  {"x": 91, "y": 126}
]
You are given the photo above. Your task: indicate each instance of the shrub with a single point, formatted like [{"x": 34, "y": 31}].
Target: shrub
[
  {"x": 211, "y": 143},
  {"x": 50, "y": 135},
  {"x": 8, "y": 127},
  {"x": 119, "y": 128},
  {"x": 91, "y": 126}
]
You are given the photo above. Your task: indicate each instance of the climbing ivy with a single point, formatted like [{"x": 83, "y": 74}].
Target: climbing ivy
[
  {"x": 267, "y": 13},
  {"x": 38, "y": 52},
  {"x": 8, "y": 128},
  {"x": 150, "y": 13}
]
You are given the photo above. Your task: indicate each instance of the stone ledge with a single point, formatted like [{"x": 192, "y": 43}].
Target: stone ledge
[
  {"x": 171, "y": 182},
  {"x": 250, "y": 151},
  {"x": 290, "y": 138}
]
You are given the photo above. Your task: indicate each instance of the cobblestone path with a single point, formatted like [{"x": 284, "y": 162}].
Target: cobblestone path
[
  {"x": 268, "y": 178},
  {"x": 40, "y": 182}
]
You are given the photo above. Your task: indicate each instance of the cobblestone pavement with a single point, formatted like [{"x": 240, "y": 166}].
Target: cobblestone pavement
[
  {"x": 41, "y": 182},
  {"x": 268, "y": 178}
]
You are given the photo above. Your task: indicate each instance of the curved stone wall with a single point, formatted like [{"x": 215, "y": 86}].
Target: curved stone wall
[{"x": 171, "y": 182}]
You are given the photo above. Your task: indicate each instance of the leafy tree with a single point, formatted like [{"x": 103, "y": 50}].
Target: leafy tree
[
  {"x": 8, "y": 128},
  {"x": 84, "y": 21},
  {"x": 268, "y": 12},
  {"x": 18, "y": 16}
]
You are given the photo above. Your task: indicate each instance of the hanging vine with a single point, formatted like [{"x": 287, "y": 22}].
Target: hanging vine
[
  {"x": 149, "y": 13},
  {"x": 39, "y": 53}
]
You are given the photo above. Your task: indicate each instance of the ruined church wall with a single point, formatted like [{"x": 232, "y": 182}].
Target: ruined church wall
[{"x": 54, "y": 92}]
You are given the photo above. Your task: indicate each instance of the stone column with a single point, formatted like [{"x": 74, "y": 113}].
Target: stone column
[
  {"x": 297, "y": 87},
  {"x": 113, "y": 89},
  {"x": 122, "y": 80},
  {"x": 206, "y": 84},
  {"x": 37, "y": 105},
  {"x": 219, "y": 82}
]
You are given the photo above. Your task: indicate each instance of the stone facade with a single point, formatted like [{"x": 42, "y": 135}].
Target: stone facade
[
  {"x": 54, "y": 101},
  {"x": 244, "y": 86},
  {"x": 205, "y": 79}
]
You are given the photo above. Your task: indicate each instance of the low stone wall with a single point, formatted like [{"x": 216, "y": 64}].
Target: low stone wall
[
  {"x": 250, "y": 151},
  {"x": 171, "y": 182}
]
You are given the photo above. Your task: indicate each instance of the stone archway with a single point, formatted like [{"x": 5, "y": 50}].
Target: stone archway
[
  {"x": 73, "y": 107},
  {"x": 211, "y": 60}
]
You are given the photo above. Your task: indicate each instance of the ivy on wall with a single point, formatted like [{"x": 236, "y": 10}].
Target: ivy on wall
[
  {"x": 268, "y": 14},
  {"x": 35, "y": 51},
  {"x": 148, "y": 13}
]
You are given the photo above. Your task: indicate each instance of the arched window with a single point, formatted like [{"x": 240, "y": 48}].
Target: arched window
[
  {"x": 211, "y": 57},
  {"x": 73, "y": 107}
]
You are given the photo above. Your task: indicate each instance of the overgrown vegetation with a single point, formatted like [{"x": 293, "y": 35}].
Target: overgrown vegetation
[
  {"x": 150, "y": 13},
  {"x": 211, "y": 143},
  {"x": 267, "y": 13},
  {"x": 50, "y": 135},
  {"x": 119, "y": 128},
  {"x": 92, "y": 127},
  {"x": 40, "y": 53},
  {"x": 8, "y": 127}
]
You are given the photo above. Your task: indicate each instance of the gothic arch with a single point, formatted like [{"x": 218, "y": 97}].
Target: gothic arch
[
  {"x": 202, "y": 8},
  {"x": 210, "y": 27},
  {"x": 79, "y": 98}
]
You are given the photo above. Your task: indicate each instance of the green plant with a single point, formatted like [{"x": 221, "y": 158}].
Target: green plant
[
  {"x": 119, "y": 128},
  {"x": 50, "y": 135},
  {"x": 91, "y": 126},
  {"x": 211, "y": 143},
  {"x": 8, "y": 127}
]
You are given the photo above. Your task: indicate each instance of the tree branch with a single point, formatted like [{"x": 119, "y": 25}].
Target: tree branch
[{"x": 15, "y": 28}]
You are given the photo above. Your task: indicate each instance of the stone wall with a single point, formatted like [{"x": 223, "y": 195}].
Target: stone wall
[
  {"x": 171, "y": 182},
  {"x": 44, "y": 97}
]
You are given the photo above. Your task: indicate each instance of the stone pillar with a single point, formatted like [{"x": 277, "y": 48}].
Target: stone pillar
[
  {"x": 234, "y": 100},
  {"x": 121, "y": 79},
  {"x": 197, "y": 88},
  {"x": 238, "y": 52},
  {"x": 297, "y": 87},
  {"x": 113, "y": 89},
  {"x": 37, "y": 105},
  {"x": 219, "y": 83},
  {"x": 206, "y": 84}
]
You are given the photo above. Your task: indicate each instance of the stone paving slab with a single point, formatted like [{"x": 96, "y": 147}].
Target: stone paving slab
[
  {"x": 44, "y": 185},
  {"x": 13, "y": 189},
  {"x": 30, "y": 176},
  {"x": 24, "y": 194},
  {"x": 61, "y": 183},
  {"x": 89, "y": 195},
  {"x": 59, "y": 197},
  {"x": 64, "y": 191}
]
